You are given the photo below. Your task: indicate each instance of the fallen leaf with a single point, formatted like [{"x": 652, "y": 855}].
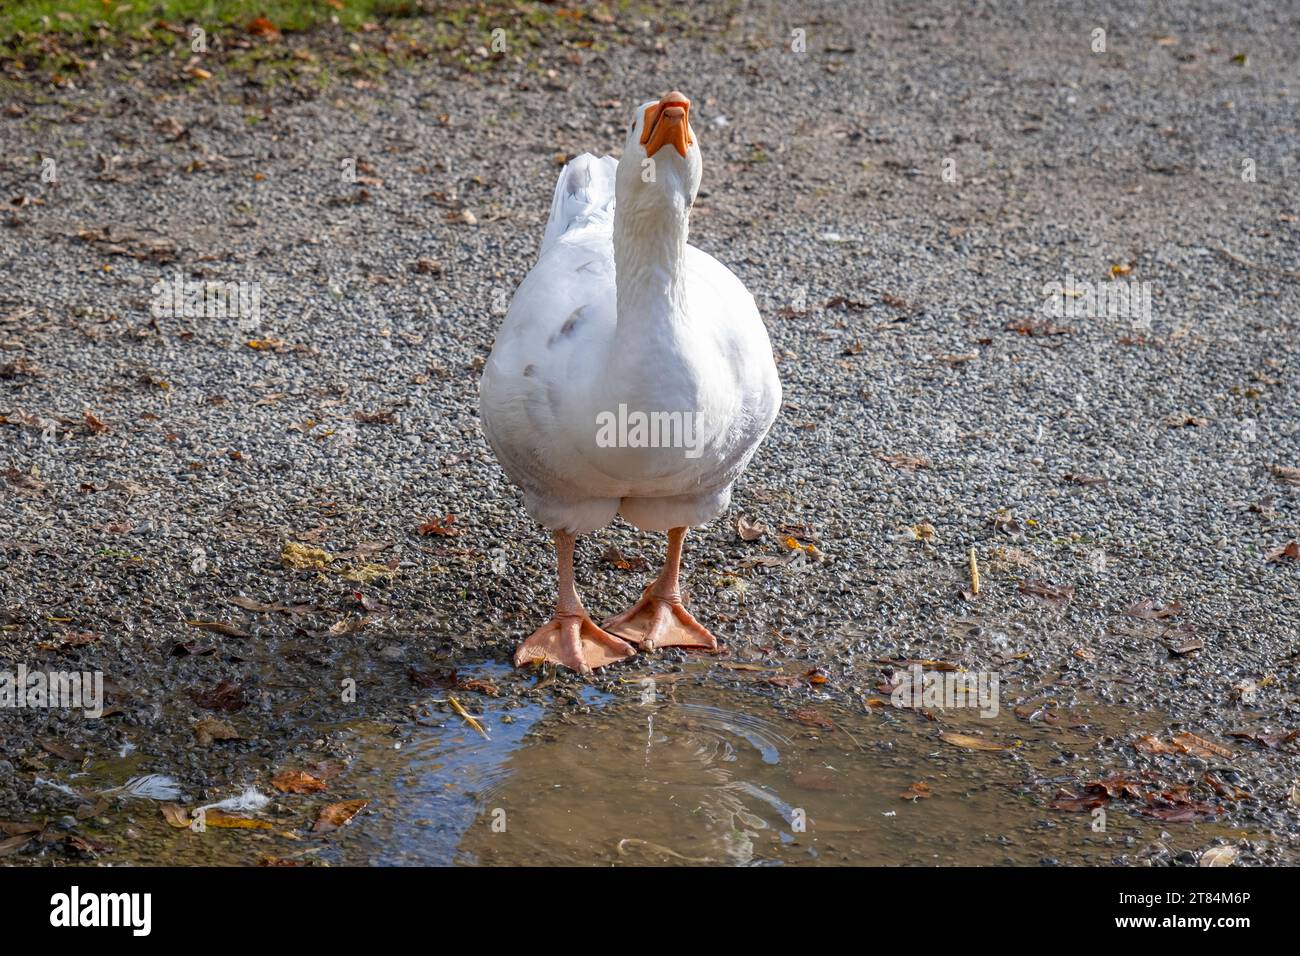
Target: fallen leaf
[
  {"x": 1200, "y": 747},
  {"x": 908, "y": 462},
  {"x": 1152, "y": 609},
  {"x": 338, "y": 814},
  {"x": 1218, "y": 856},
  {"x": 15, "y": 843},
  {"x": 612, "y": 555},
  {"x": 1151, "y": 744},
  {"x": 222, "y": 820},
  {"x": 1056, "y": 594},
  {"x": 923, "y": 532},
  {"x": 384, "y": 416},
  {"x": 262, "y": 27},
  {"x": 225, "y": 696},
  {"x": 810, "y": 718},
  {"x": 296, "y": 781},
  {"x": 1286, "y": 474},
  {"x": 1229, "y": 791},
  {"x": 175, "y": 815},
  {"x": 62, "y": 750},
  {"x": 970, "y": 742},
  {"x": 1274, "y": 740},
  {"x": 440, "y": 526},
  {"x": 94, "y": 423},
  {"x": 748, "y": 529},
  {"x": 209, "y": 729},
  {"x": 1290, "y": 550},
  {"x": 917, "y": 791}
]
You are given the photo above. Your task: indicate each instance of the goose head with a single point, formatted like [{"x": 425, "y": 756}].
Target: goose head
[{"x": 659, "y": 172}]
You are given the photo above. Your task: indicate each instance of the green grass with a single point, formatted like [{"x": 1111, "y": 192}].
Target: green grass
[
  {"x": 52, "y": 39},
  {"x": 84, "y": 19}
]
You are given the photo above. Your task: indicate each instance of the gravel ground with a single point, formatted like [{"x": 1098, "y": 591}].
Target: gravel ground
[{"x": 155, "y": 468}]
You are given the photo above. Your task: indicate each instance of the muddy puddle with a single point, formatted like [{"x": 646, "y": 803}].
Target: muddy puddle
[{"x": 678, "y": 771}]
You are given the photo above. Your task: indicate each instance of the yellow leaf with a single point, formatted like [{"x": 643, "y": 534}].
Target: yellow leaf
[{"x": 971, "y": 743}]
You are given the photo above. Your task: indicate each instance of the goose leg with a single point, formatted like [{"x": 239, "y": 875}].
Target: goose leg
[
  {"x": 660, "y": 619},
  {"x": 570, "y": 638}
]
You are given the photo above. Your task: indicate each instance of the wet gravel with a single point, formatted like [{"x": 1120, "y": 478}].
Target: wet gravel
[{"x": 923, "y": 383}]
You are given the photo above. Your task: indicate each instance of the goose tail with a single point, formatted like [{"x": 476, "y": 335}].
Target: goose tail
[{"x": 584, "y": 195}]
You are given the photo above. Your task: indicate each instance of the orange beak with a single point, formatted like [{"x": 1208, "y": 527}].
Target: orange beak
[{"x": 667, "y": 123}]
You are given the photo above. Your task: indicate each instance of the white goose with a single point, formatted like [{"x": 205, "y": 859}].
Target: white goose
[{"x": 632, "y": 375}]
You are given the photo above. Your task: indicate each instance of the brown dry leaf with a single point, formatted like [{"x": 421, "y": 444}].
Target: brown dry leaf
[
  {"x": 748, "y": 529},
  {"x": 612, "y": 555},
  {"x": 478, "y": 685},
  {"x": 1229, "y": 791},
  {"x": 383, "y": 416},
  {"x": 1273, "y": 740},
  {"x": 15, "y": 843},
  {"x": 62, "y": 750},
  {"x": 1290, "y": 550},
  {"x": 176, "y": 815},
  {"x": 262, "y": 27},
  {"x": 1286, "y": 474},
  {"x": 302, "y": 557},
  {"x": 923, "y": 532},
  {"x": 1151, "y": 744},
  {"x": 338, "y": 814},
  {"x": 1055, "y": 594},
  {"x": 210, "y": 729},
  {"x": 325, "y": 770},
  {"x": 970, "y": 742},
  {"x": 225, "y": 696},
  {"x": 23, "y": 482},
  {"x": 1185, "y": 421},
  {"x": 1152, "y": 609},
  {"x": 443, "y": 527},
  {"x": 917, "y": 791},
  {"x": 1182, "y": 646},
  {"x": 71, "y": 639},
  {"x": 810, "y": 718},
  {"x": 1200, "y": 747},
  {"x": 296, "y": 781},
  {"x": 1084, "y": 479},
  {"x": 908, "y": 462},
  {"x": 94, "y": 423}
]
